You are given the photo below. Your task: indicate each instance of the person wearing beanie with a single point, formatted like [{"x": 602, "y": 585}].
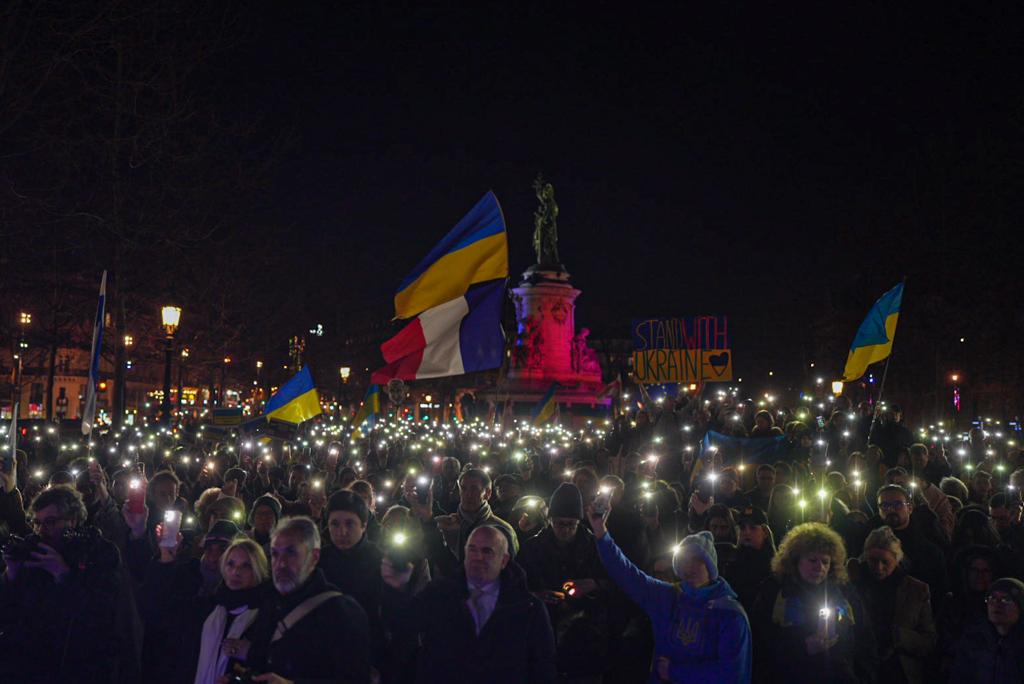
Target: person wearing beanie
[
  {"x": 266, "y": 511},
  {"x": 351, "y": 562},
  {"x": 751, "y": 564},
  {"x": 993, "y": 650},
  {"x": 701, "y": 631},
  {"x": 564, "y": 554}
]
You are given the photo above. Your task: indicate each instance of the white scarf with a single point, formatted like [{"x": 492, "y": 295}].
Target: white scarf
[{"x": 212, "y": 661}]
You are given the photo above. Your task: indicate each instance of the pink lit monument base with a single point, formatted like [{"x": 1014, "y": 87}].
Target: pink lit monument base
[{"x": 547, "y": 347}]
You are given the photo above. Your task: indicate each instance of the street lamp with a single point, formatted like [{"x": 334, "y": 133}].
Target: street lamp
[
  {"x": 345, "y": 372},
  {"x": 171, "y": 317},
  {"x": 837, "y": 387}
]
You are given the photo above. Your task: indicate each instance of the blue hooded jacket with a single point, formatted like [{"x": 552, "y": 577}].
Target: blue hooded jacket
[{"x": 703, "y": 632}]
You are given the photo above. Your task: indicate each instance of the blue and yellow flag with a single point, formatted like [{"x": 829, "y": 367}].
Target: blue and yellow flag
[
  {"x": 873, "y": 341},
  {"x": 296, "y": 401},
  {"x": 475, "y": 251},
  {"x": 546, "y": 407},
  {"x": 368, "y": 412}
]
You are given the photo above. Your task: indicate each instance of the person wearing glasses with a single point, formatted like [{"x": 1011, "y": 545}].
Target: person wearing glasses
[
  {"x": 924, "y": 559},
  {"x": 64, "y": 601},
  {"x": 992, "y": 651}
]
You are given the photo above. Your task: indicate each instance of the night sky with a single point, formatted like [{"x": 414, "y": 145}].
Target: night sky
[
  {"x": 781, "y": 165},
  {"x": 764, "y": 162}
]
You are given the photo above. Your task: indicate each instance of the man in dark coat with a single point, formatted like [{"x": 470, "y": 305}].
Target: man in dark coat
[
  {"x": 563, "y": 552},
  {"x": 924, "y": 559},
  {"x": 480, "y": 625},
  {"x": 61, "y": 601},
  {"x": 751, "y": 564},
  {"x": 307, "y": 629}
]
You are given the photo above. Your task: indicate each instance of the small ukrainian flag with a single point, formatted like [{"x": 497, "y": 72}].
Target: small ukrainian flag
[
  {"x": 545, "y": 408},
  {"x": 873, "y": 341},
  {"x": 368, "y": 412},
  {"x": 296, "y": 401}
]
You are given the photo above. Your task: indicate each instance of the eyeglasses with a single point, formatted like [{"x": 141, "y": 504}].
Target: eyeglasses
[
  {"x": 565, "y": 524},
  {"x": 892, "y": 505},
  {"x": 999, "y": 600},
  {"x": 47, "y": 522}
]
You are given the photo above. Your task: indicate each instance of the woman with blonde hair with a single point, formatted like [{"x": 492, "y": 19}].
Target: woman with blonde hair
[
  {"x": 809, "y": 625},
  {"x": 204, "y": 632},
  {"x": 899, "y": 606}
]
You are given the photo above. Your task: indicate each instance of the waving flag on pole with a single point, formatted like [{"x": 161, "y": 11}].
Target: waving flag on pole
[
  {"x": 475, "y": 251},
  {"x": 296, "y": 401},
  {"x": 89, "y": 413},
  {"x": 873, "y": 341},
  {"x": 456, "y": 294}
]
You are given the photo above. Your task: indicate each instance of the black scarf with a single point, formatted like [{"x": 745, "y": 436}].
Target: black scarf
[{"x": 236, "y": 598}]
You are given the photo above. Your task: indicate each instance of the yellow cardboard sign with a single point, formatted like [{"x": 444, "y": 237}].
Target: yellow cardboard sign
[{"x": 656, "y": 366}]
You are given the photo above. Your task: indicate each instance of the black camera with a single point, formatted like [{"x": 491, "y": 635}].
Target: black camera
[{"x": 20, "y": 549}]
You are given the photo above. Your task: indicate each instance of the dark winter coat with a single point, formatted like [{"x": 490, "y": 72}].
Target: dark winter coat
[
  {"x": 580, "y": 624},
  {"x": 984, "y": 657},
  {"x": 174, "y": 611},
  {"x": 356, "y": 573},
  {"x": 902, "y": 621},
  {"x": 75, "y": 630},
  {"x": 516, "y": 644},
  {"x": 785, "y": 614},
  {"x": 747, "y": 570},
  {"x": 330, "y": 644}
]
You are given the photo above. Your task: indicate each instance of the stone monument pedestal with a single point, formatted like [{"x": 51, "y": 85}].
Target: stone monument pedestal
[{"x": 547, "y": 347}]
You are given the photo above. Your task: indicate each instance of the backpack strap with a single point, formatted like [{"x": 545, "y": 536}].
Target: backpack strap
[{"x": 302, "y": 610}]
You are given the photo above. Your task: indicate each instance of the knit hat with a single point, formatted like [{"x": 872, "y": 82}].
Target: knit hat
[
  {"x": 1012, "y": 586},
  {"x": 222, "y": 531},
  {"x": 566, "y": 502},
  {"x": 752, "y": 516},
  {"x": 704, "y": 543},
  {"x": 270, "y": 501}
]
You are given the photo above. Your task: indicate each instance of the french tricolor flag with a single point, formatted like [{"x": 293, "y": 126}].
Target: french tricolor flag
[{"x": 462, "y": 335}]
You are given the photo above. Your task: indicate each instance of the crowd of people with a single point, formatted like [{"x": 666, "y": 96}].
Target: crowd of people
[{"x": 691, "y": 540}]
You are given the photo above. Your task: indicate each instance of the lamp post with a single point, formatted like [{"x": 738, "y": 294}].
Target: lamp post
[{"x": 171, "y": 316}]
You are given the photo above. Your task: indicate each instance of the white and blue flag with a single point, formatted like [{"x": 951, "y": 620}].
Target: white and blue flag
[{"x": 89, "y": 413}]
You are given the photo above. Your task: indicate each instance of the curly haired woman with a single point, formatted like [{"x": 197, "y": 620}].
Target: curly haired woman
[{"x": 809, "y": 625}]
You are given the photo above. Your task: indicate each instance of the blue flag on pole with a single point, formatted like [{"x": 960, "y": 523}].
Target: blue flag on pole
[{"x": 89, "y": 413}]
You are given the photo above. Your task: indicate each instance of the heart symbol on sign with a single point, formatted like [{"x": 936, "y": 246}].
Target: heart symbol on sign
[{"x": 719, "y": 363}]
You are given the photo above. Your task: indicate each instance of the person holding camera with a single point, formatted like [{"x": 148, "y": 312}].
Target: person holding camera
[{"x": 61, "y": 598}]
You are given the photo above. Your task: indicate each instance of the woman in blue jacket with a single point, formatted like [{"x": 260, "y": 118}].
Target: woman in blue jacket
[{"x": 701, "y": 633}]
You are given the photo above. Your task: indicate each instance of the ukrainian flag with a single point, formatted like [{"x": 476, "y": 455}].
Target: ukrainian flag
[
  {"x": 476, "y": 250},
  {"x": 368, "y": 412},
  {"x": 873, "y": 341},
  {"x": 296, "y": 401},
  {"x": 545, "y": 408}
]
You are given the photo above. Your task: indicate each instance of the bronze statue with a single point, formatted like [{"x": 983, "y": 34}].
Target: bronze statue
[{"x": 545, "y": 224}]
